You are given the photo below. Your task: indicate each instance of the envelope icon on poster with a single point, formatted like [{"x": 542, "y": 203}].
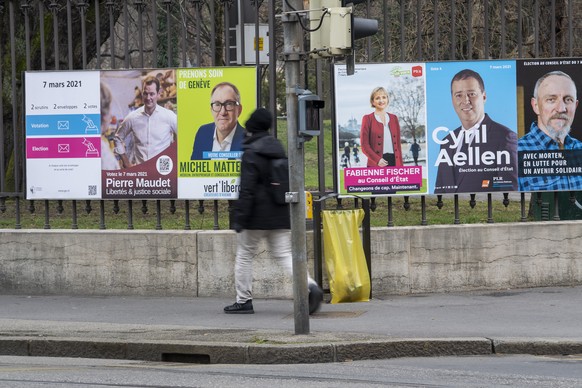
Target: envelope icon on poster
[
  {"x": 63, "y": 148},
  {"x": 63, "y": 125}
]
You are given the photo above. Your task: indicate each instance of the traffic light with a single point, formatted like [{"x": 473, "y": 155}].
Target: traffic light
[
  {"x": 330, "y": 26},
  {"x": 334, "y": 28},
  {"x": 361, "y": 27}
]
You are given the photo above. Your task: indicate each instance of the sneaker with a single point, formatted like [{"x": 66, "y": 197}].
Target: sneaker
[
  {"x": 315, "y": 298},
  {"x": 240, "y": 308}
]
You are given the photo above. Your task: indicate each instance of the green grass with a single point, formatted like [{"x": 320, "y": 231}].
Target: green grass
[
  {"x": 173, "y": 217},
  {"x": 311, "y": 175},
  {"x": 173, "y": 213}
]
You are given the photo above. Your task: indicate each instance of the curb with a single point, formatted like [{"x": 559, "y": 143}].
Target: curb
[
  {"x": 537, "y": 346},
  {"x": 244, "y": 353}
]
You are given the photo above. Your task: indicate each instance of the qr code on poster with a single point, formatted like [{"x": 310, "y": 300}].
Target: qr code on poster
[
  {"x": 164, "y": 165},
  {"x": 92, "y": 190}
]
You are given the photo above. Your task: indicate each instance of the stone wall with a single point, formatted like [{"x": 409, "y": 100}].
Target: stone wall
[{"x": 405, "y": 260}]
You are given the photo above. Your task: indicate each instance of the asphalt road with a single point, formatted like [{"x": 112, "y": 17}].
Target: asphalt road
[{"x": 476, "y": 371}]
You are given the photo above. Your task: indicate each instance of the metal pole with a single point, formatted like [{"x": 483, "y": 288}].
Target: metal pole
[
  {"x": 367, "y": 238},
  {"x": 317, "y": 241},
  {"x": 272, "y": 66},
  {"x": 293, "y": 47}
]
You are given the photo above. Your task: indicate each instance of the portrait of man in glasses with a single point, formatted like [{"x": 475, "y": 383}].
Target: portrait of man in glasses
[{"x": 222, "y": 138}]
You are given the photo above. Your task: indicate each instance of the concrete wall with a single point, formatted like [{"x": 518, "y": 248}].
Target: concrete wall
[
  {"x": 405, "y": 260},
  {"x": 476, "y": 257}
]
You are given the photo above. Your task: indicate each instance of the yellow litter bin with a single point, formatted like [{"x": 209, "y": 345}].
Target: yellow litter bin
[{"x": 345, "y": 260}]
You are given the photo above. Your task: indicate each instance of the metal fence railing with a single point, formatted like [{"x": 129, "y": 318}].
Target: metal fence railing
[{"x": 99, "y": 34}]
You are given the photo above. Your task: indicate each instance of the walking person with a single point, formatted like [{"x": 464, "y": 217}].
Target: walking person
[
  {"x": 415, "y": 150},
  {"x": 257, "y": 216},
  {"x": 356, "y": 152}
]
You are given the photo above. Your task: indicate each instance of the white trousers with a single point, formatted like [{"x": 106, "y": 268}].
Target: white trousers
[{"x": 279, "y": 244}]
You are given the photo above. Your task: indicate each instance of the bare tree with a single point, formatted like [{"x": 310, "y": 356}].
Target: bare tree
[{"x": 409, "y": 105}]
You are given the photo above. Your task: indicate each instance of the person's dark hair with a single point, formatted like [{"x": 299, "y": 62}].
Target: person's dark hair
[
  {"x": 150, "y": 79},
  {"x": 468, "y": 73},
  {"x": 543, "y": 78},
  {"x": 260, "y": 120},
  {"x": 234, "y": 88}
]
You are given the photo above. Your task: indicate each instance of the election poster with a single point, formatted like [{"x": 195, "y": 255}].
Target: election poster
[
  {"x": 214, "y": 105},
  {"x": 401, "y": 129},
  {"x": 550, "y": 133},
  {"x": 63, "y": 136},
  {"x": 472, "y": 126},
  {"x": 139, "y": 134},
  {"x": 381, "y": 129}
]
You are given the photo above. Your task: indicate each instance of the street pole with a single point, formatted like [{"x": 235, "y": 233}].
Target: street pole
[{"x": 292, "y": 51}]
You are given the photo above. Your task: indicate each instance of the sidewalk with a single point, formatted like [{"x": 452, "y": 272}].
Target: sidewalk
[{"x": 534, "y": 321}]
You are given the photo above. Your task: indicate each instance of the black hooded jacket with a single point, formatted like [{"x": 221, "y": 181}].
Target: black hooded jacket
[{"x": 254, "y": 208}]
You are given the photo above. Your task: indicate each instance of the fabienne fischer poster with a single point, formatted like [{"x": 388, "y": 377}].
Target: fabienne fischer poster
[{"x": 381, "y": 129}]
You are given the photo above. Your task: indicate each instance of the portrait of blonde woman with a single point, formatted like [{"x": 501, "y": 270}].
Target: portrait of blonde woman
[{"x": 380, "y": 132}]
